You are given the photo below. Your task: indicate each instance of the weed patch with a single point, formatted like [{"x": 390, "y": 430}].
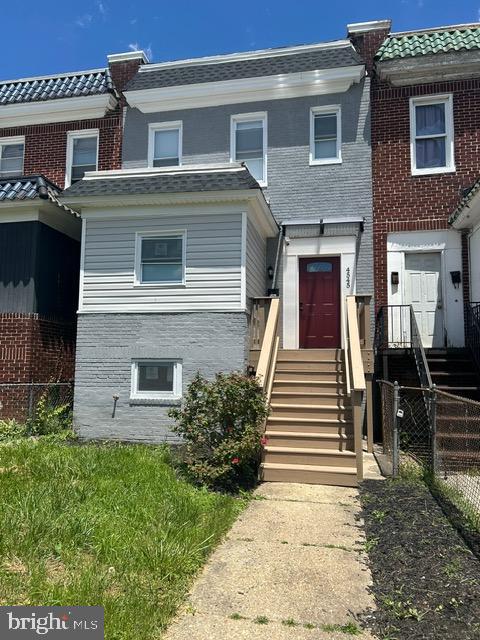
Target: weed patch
[{"x": 426, "y": 581}]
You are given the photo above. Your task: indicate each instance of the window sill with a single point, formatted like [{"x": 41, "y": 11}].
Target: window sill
[
  {"x": 434, "y": 171},
  {"x": 159, "y": 285},
  {"x": 319, "y": 163},
  {"x": 155, "y": 402}
]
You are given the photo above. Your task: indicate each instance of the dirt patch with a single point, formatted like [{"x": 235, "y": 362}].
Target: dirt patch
[{"x": 426, "y": 580}]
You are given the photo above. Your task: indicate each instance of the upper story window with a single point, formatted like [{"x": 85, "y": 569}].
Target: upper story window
[
  {"x": 82, "y": 154},
  {"x": 249, "y": 143},
  {"x": 165, "y": 144},
  {"x": 431, "y": 135},
  {"x": 11, "y": 156},
  {"x": 325, "y": 135},
  {"x": 160, "y": 258}
]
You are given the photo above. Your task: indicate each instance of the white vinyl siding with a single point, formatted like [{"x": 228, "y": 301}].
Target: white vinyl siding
[
  {"x": 255, "y": 262},
  {"x": 212, "y": 269}
]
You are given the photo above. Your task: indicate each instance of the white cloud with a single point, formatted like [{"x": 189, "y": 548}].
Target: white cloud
[
  {"x": 84, "y": 21},
  {"x": 134, "y": 46},
  {"x": 102, "y": 8}
]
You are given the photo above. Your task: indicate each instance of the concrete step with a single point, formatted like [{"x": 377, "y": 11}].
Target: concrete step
[
  {"x": 330, "y": 398},
  {"x": 310, "y": 354},
  {"x": 297, "y": 410},
  {"x": 308, "y": 474},
  {"x": 305, "y": 440},
  {"x": 319, "y": 366},
  {"x": 309, "y": 456},
  {"x": 288, "y": 383}
]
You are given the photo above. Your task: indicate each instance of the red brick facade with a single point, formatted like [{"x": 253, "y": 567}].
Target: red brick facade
[
  {"x": 402, "y": 202},
  {"x": 46, "y": 145},
  {"x": 36, "y": 349}
]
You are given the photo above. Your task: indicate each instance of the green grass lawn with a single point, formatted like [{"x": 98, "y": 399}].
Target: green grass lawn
[{"x": 106, "y": 525}]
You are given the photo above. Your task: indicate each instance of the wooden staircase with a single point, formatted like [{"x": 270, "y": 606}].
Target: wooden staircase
[{"x": 309, "y": 434}]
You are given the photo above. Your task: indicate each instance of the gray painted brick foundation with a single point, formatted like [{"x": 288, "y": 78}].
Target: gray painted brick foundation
[{"x": 106, "y": 344}]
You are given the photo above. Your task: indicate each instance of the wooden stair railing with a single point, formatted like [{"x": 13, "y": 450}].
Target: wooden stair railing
[
  {"x": 269, "y": 350},
  {"x": 357, "y": 362}
]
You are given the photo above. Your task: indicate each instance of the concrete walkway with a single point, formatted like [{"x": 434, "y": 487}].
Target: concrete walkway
[{"x": 292, "y": 567}]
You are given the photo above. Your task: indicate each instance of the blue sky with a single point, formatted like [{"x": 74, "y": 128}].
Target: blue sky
[{"x": 57, "y": 35}]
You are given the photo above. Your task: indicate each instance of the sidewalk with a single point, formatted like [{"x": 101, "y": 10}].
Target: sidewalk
[{"x": 291, "y": 567}]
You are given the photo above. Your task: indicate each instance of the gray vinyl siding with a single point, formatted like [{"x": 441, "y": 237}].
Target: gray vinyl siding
[
  {"x": 295, "y": 189},
  {"x": 255, "y": 262},
  {"x": 213, "y": 265},
  {"x": 106, "y": 345}
]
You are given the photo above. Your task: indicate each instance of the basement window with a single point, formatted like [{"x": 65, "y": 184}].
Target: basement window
[
  {"x": 431, "y": 135},
  {"x": 11, "y": 156},
  {"x": 156, "y": 379},
  {"x": 82, "y": 154}
]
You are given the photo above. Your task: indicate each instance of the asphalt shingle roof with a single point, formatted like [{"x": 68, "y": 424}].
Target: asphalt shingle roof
[
  {"x": 410, "y": 45},
  {"x": 324, "y": 58},
  {"x": 165, "y": 183},
  {"x": 27, "y": 188},
  {"x": 465, "y": 201},
  {"x": 63, "y": 86}
]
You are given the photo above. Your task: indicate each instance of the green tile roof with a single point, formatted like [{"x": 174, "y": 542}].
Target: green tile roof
[{"x": 409, "y": 45}]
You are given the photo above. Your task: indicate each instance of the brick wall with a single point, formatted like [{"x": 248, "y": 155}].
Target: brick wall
[
  {"x": 46, "y": 145},
  {"x": 32, "y": 349},
  {"x": 402, "y": 202},
  {"x": 36, "y": 349}
]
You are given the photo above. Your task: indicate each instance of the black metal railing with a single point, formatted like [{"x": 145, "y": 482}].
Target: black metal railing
[
  {"x": 397, "y": 328},
  {"x": 392, "y": 328},
  {"x": 419, "y": 352},
  {"x": 472, "y": 330}
]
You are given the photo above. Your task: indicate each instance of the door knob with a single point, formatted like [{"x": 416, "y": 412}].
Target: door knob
[{"x": 301, "y": 306}]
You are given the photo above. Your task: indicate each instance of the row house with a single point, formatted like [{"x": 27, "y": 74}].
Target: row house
[
  {"x": 242, "y": 175},
  {"x": 52, "y": 130}
]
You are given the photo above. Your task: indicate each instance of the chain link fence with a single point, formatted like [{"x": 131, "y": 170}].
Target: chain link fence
[
  {"x": 438, "y": 430},
  {"x": 25, "y": 402}
]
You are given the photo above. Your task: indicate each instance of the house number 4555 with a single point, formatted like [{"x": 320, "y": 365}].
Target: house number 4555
[{"x": 347, "y": 277}]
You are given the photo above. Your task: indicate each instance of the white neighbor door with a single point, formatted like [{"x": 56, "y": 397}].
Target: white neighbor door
[{"x": 423, "y": 290}]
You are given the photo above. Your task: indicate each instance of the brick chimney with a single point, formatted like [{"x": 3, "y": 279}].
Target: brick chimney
[
  {"x": 123, "y": 66},
  {"x": 367, "y": 37}
]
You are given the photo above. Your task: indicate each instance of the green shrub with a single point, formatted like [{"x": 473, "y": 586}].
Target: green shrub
[
  {"x": 11, "y": 429},
  {"x": 221, "y": 425},
  {"x": 49, "y": 417}
]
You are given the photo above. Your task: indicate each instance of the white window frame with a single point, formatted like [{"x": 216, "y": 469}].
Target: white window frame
[
  {"x": 334, "y": 109},
  {"x": 175, "y": 394},
  {"x": 447, "y": 100},
  {"x": 139, "y": 236},
  {"x": 164, "y": 126},
  {"x": 4, "y": 142},
  {"x": 246, "y": 117},
  {"x": 71, "y": 136}
]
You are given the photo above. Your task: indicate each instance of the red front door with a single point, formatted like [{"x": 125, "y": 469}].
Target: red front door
[{"x": 319, "y": 304}]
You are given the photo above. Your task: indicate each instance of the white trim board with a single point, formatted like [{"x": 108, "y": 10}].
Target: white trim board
[
  {"x": 342, "y": 246},
  {"x": 449, "y": 245},
  {"x": 60, "y": 110},
  {"x": 275, "y": 87}
]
